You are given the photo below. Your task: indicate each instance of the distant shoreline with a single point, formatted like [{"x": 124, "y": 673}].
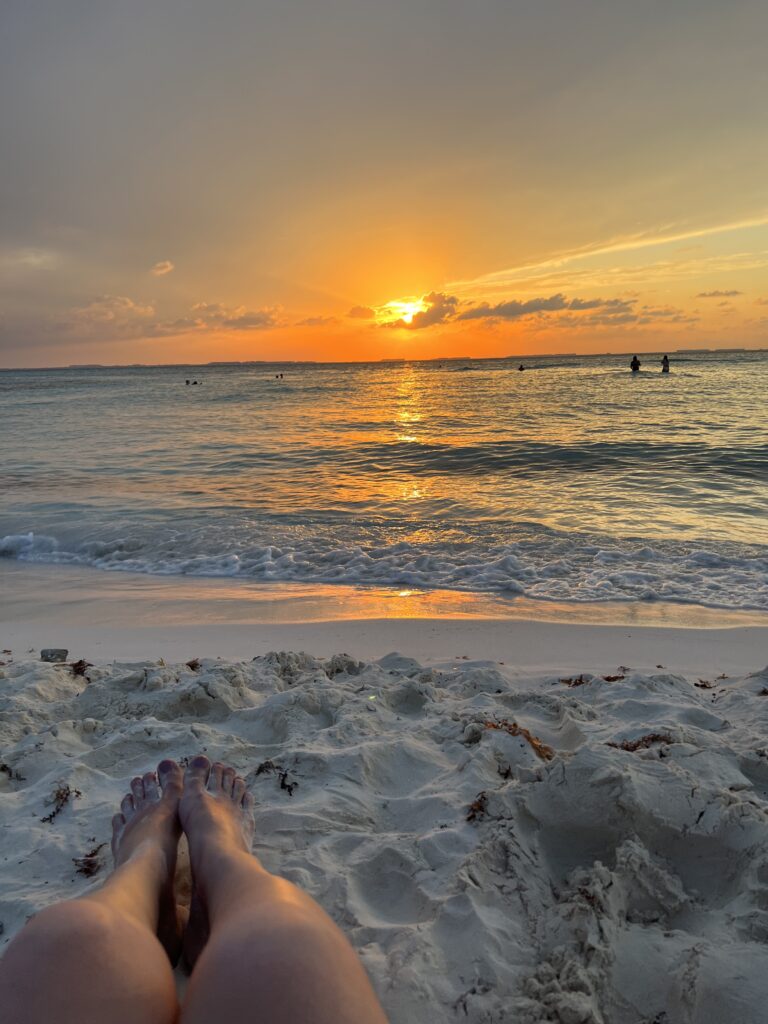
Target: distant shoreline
[{"x": 379, "y": 362}]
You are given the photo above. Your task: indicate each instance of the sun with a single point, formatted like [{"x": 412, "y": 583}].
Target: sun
[{"x": 400, "y": 309}]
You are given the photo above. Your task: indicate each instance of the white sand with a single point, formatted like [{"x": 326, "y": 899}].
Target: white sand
[{"x": 602, "y": 885}]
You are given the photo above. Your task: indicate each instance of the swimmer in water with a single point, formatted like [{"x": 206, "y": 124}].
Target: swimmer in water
[
  {"x": 665, "y": 364},
  {"x": 635, "y": 364}
]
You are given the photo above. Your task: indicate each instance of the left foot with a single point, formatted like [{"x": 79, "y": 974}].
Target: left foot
[{"x": 148, "y": 827}]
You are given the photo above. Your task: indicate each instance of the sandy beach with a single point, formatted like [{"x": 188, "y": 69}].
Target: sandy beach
[
  {"x": 382, "y": 404},
  {"x": 512, "y": 819}
]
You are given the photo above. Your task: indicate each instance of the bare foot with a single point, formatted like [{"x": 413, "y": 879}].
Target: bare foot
[
  {"x": 216, "y": 813},
  {"x": 148, "y": 824}
]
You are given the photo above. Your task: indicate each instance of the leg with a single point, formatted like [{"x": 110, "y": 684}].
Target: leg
[
  {"x": 272, "y": 954},
  {"x": 98, "y": 959}
]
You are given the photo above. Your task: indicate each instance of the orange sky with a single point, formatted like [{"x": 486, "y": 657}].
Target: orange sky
[{"x": 366, "y": 181}]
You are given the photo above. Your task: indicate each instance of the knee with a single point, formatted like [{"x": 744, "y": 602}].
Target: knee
[{"x": 73, "y": 925}]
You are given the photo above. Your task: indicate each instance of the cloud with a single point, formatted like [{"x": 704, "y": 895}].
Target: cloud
[
  {"x": 440, "y": 307},
  {"x": 660, "y": 236},
  {"x": 116, "y": 313},
  {"x": 214, "y": 314},
  {"x": 362, "y": 313},
  {"x": 162, "y": 268},
  {"x": 514, "y": 309},
  {"x": 559, "y": 310},
  {"x": 718, "y": 295},
  {"x": 635, "y": 276},
  {"x": 761, "y": 302},
  {"x": 28, "y": 259},
  {"x": 120, "y": 316},
  {"x": 316, "y": 321}
]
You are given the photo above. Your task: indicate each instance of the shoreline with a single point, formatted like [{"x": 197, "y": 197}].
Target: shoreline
[{"x": 122, "y": 616}]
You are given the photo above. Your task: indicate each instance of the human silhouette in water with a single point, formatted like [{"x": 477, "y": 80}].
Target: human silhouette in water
[
  {"x": 665, "y": 364},
  {"x": 635, "y": 364}
]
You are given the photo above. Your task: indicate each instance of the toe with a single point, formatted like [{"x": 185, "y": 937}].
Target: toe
[
  {"x": 238, "y": 790},
  {"x": 170, "y": 776},
  {"x": 127, "y": 806},
  {"x": 118, "y": 824},
  {"x": 247, "y": 801},
  {"x": 198, "y": 770},
  {"x": 151, "y": 788},
  {"x": 214, "y": 783},
  {"x": 137, "y": 788},
  {"x": 228, "y": 780}
]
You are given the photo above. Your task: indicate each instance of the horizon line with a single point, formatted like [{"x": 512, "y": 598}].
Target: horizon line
[{"x": 362, "y": 362}]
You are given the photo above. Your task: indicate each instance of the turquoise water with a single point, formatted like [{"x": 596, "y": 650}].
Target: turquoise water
[{"x": 574, "y": 480}]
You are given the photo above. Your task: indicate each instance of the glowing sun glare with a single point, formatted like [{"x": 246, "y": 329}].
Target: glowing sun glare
[{"x": 402, "y": 309}]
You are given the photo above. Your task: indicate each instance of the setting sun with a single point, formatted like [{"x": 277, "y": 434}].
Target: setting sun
[{"x": 400, "y": 309}]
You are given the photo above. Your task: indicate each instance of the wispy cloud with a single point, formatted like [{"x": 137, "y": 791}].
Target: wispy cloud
[
  {"x": 162, "y": 268},
  {"x": 28, "y": 259},
  {"x": 660, "y": 236},
  {"x": 718, "y": 295},
  {"x": 362, "y": 313}
]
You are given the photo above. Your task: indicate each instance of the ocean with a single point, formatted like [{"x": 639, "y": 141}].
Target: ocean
[{"x": 574, "y": 480}]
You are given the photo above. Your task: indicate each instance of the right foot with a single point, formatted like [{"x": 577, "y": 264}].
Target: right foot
[{"x": 216, "y": 813}]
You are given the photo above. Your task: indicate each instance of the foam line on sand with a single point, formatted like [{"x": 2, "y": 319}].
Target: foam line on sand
[{"x": 499, "y": 845}]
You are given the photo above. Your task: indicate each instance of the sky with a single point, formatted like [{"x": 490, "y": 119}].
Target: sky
[{"x": 188, "y": 181}]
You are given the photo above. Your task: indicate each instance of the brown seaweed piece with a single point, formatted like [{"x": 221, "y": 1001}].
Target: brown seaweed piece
[
  {"x": 478, "y": 807},
  {"x": 575, "y": 680},
  {"x": 282, "y": 774},
  {"x": 541, "y": 749},
  {"x": 61, "y": 798},
  {"x": 89, "y": 863},
  {"x": 642, "y": 742}
]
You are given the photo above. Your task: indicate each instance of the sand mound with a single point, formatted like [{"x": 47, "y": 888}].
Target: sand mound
[{"x": 497, "y": 847}]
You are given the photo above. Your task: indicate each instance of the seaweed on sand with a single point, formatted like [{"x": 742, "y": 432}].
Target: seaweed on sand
[
  {"x": 642, "y": 742},
  {"x": 543, "y": 751},
  {"x": 61, "y": 797},
  {"x": 478, "y": 807},
  {"x": 90, "y": 862},
  {"x": 267, "y": 767}
]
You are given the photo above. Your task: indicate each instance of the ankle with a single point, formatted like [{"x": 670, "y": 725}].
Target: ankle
[{"x": 223, "y": 872}]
